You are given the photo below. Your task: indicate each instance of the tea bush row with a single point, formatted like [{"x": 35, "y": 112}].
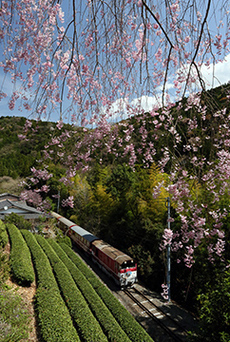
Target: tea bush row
[
  {"x": 54, "y": 320},
  {"x": 110, "y": 326},
  {"x": 128, "y": 323},
  {"x": 3, "y": 235},
  {"x": 20, "y": 258},
  {"x": 87, "y": 326}
]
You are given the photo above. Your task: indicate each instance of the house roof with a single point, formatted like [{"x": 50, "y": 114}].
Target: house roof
[
  {"x": 11, "y": 204},
  {"x": 11, "y": 197}
]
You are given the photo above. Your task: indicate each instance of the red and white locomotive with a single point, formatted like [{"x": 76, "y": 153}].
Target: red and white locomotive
[{"x": 117, "y": 264}]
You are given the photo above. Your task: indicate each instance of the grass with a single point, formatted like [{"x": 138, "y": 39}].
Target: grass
[{"x": 14, "y": 316}]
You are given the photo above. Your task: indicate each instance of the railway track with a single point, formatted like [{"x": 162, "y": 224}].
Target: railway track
[{"x": 169, "y": 325}]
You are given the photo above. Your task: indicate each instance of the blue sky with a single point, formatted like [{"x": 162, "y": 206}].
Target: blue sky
[{"x": 222, "y": 76}]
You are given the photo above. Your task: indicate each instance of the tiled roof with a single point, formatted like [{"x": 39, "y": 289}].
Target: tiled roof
[{"x": 11, "y": 203}]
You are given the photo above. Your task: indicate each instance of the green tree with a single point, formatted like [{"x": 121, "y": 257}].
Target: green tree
[
  {"x": 214, "y": 310},
  {"x": 18, "y": 221}
]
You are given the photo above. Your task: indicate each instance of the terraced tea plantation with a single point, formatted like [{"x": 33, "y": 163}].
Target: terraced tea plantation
[{"x": 71, "y": 303}]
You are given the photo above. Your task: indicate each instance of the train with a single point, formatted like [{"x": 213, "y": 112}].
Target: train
[{"x": 118, "y": 265}]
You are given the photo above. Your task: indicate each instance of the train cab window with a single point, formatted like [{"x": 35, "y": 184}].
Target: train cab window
[{"x": 128, "y": 264}]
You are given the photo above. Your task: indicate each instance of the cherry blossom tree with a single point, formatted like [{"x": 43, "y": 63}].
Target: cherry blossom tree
[
  {"x": 102, "y": 56},
  {"x": 95, "y": 62}
]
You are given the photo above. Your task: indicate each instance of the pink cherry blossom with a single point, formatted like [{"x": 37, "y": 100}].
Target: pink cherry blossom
[{"x": 96, "y": 68}]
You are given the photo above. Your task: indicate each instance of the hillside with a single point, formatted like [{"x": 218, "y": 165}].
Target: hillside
[
  {"x": 180, "y": 152},
  {"x": 18, "y": 155}
]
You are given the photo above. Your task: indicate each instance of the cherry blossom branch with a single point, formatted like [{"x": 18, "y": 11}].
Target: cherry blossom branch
[
  {"x": 158, "y": 22},
  {"x": 166, "y": 74},
  {"x": 193, "y": 63}
]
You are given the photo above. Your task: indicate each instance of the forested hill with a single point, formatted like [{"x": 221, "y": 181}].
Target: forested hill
[
  {"x": 117, "y": 204},
  {"x": 17, "y": 156}
]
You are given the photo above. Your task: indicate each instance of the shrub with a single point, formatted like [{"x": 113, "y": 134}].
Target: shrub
[
  {"x": 88, "y": 328},
  {"x": 3, "y": 235},
  {"x": 18, "y": 221},
  {"x": 65, "y": 239},
  {"x": 128, "y": 323},
  {"x": 4, "y": 268},
  {"x": 20, "y": 258},
  {"x": 54, "y": 320},
  {"x": 214, "y": 311},
  {"x": 109, "y": 325}
]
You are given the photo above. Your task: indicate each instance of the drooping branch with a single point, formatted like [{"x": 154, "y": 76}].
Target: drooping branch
[
  {"x": 193, "y": 63},
  {"x": 107, "y": 50},
  {"x": 158, "y": 22}
]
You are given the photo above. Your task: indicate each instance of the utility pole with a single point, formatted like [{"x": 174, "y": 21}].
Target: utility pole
[
  {"x": 168, "y": 254},
  {"x": 58, "y": 203},
  {"x": 168, "y": 275}
]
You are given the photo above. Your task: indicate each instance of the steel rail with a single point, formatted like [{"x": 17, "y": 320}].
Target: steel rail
[
  {"x": 159, "y": 322},
  {"x": 162, "y": 311}
]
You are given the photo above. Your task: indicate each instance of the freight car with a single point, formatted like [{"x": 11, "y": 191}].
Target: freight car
[{"x": 117, "y": 264}]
